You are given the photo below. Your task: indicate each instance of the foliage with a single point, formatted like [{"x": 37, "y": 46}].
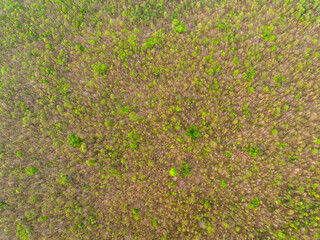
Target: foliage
[
  {"x": 173, "y": 172},
  {"x": 135, "y": 210},
  {"x": 74, "y": 140},
  {"x": 192, "y": 132},
  {"x": 179, "y": 26},
  {"x": 185, "y": 169},
  {"x": 101, "y": 104},
  {"x": 90, "y": 162},
  {"x": 31, "y": 171},
  {"x": 155, "y": 222},
  {"x": 23, "y": 232}
]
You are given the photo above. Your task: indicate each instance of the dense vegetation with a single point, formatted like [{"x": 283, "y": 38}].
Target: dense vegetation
[{"x": 130, "y": 119}]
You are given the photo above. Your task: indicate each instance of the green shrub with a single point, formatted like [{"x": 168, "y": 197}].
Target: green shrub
[
  {"x": 83, "y": 147},
  {"x": 65, "y": 179},
  {"x": 31, "y": 171},
  {"x": 173, "y": 172},
  {"x": 42, "y": 219},
  {"x": 135, "y": 210},
  {"x": 155, "y": 222},
  {"x": 90, "y": 162},
  {"x": 133, "y": 136},
  {"x": 185, "y": 169},
  {"x": 179, "y": 26},
  {"x": 228, "y": 154},
  {"x": 282, "y": 234},
  {"x": 253, "y": 152},
  {"x": 74, "y": 140},
  {"x": 274, "y": 131},
  {"x": 192, "y": 132},
  {"x": 19, "y": 154},
  {"x": 223, "y": 183},
  {"x": 23, "y": 232},
  {"x": 255, "y": 202}
]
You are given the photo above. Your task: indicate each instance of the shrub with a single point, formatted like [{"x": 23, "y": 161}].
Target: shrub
[
  {"x": 19, "y": 154},
  {"x": 228, "y": 154},
  {"x": 185, "y": 169},
  {"x": 192, "y": 132},
  {"x": 179, "y": 26},
  {"x": 135, "y": 210},
  {"x": 31, "y": 171},
  {"x": 90, "y": 162},
  {"x": 23, "y": 232},
  {"x": 83, "y": 147},
  {"x": 253, "y": 152},
  {"x": 155, "y": 222},
  {"x": 173, "y": 172},
  {"x": 74, "y": 141},
  {"x": 65, "y": 179}
]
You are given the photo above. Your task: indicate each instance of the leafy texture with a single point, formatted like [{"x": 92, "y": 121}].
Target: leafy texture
[{"x": 159, "y": 119}]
